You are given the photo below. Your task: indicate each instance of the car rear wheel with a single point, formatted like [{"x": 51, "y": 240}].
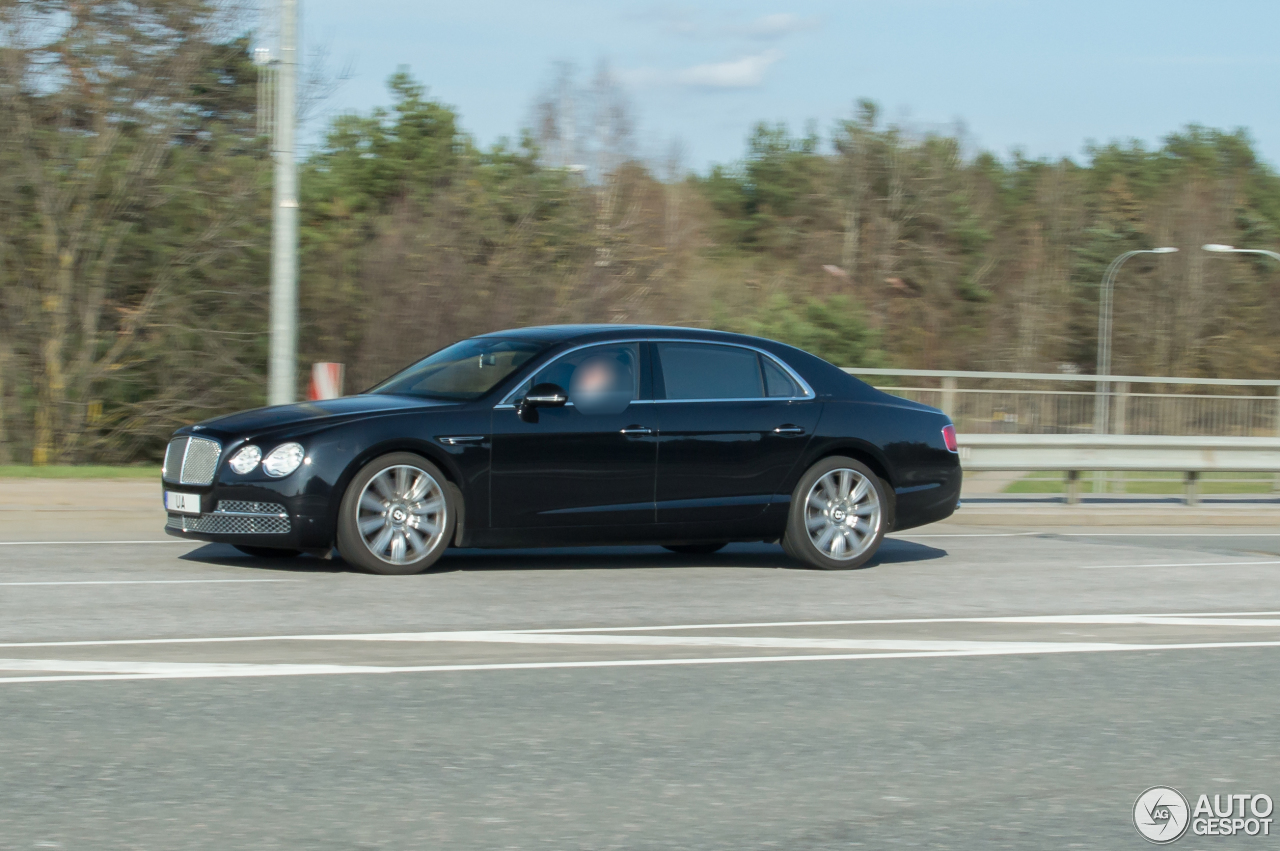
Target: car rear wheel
[
  {"x": 397, "y": 515},
  {"x": 267, "y": 552},
  {"x": 837, "y": 516},
  {"x": 696, "y": 549}
]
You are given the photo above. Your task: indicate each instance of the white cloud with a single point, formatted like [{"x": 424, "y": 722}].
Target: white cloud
[
  {"x": 742, "y": 73},
  {"x": 778, "y": 25}
]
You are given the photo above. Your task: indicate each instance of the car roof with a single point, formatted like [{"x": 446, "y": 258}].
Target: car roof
[{"x": 568, "y": 333}]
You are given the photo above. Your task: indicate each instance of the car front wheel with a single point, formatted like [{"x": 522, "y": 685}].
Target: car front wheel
[
  {"x": 397, "y": 515},
  {"x": 837, "y": 515}
]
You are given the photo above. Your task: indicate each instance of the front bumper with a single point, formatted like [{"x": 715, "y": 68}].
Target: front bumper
[{"x": 252, "y": 516}]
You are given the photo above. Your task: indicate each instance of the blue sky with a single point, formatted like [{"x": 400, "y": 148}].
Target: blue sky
[{"x": 1043, "y": 76}]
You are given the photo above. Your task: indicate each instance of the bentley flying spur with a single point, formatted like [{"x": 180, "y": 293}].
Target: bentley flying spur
[{"x": 568, "y": 435}]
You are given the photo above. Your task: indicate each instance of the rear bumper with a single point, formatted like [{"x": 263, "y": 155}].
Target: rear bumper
[{"x": 929, "y": 504}]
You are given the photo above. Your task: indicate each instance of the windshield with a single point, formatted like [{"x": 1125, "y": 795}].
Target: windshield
[{"x": 463, "y": 371}]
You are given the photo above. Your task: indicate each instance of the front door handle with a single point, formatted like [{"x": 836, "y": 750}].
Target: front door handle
[
  {"x": 788, "y": 429},
  {"x": 635, "y": 429}
]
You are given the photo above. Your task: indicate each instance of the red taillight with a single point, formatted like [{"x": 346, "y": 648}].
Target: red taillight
[{"x": 949, "y": 437}]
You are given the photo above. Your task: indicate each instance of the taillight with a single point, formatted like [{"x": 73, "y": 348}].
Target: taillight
[{"x": 949, "y": 438}]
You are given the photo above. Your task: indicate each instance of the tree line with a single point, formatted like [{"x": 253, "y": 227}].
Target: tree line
[{"x": 135, "y": 232}]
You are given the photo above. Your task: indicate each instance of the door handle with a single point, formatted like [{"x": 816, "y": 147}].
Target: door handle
[
  {"x": 788, "y": 429},
  {"x": 637, "y": 430}
]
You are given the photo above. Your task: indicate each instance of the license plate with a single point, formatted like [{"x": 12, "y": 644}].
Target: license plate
[{"x": 182, "y": 503}]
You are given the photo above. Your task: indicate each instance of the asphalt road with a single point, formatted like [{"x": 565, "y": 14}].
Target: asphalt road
[{"x": 973, "y": 688}]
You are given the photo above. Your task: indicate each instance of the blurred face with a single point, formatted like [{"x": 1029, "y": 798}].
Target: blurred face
[{"x": 596, "y": 376}]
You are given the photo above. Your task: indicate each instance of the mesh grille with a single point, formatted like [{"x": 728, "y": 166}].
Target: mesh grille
[
  {"x": 251, "y": 507},
  {"x": 223, "y": 524},
  {"x": 173, "y": 459},
  {"x": 201, "y": 461}
]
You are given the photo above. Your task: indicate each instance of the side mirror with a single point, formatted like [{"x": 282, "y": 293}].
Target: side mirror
[{"x": 544, "y": 395}]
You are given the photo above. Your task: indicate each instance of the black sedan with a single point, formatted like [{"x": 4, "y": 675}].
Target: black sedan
[{"x": 584, "y": 434}]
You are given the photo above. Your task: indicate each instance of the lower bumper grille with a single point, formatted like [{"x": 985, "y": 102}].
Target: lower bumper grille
[{"x": 235, "y": 517}]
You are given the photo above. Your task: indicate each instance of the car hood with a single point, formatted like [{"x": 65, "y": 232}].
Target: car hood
[{"x": 259, "y": 420}]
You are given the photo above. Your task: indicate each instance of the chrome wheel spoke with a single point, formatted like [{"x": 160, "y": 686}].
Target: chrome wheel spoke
[
  {"x": 372, "y": 524},
  {"x": 369, "y": 502},
  {"x": 846, "y": 481},
  {"x": 397, "y": 546},
  {"x": 429, "y": 507},
  {"x": 420, "y": 486},
  {"x": 379, "y": 544},
  {"x": 382, "y": 484},
  {"x": 416, "y": 542}
]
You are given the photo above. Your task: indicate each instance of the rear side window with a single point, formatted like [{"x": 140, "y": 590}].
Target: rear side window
[
  {"x": 776, "y": 380},
  {"x": 708, "y": 371}
]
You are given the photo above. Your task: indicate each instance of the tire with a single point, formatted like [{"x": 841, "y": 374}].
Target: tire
[
  {"x": 696, "y": 549},
  {"x": 843, "y": 536},
  {"x": 267, "y": 552},
  {"x": 417, "y": 510}
]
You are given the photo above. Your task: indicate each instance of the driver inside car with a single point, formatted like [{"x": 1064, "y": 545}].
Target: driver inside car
[{"x": 601, "y": 384}]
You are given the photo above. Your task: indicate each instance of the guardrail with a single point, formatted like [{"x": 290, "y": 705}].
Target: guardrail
[
  {"x": 1075, "y": 454},
  {"x": 1053, "y": 403}
]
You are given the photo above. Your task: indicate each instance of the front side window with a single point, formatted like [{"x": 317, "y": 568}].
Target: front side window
[
  {"x": 463, "y": 371},
  {"x": 709, "y": 371},
  {"x": 598, "y": 379}
]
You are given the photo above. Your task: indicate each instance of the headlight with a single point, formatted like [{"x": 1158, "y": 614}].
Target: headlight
[
  {"x": 246, "y": 459},
  {"x": 283, "y": 460}
]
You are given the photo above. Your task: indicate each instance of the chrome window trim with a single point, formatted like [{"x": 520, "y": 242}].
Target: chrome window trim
[{"x": 786, "y": 367}]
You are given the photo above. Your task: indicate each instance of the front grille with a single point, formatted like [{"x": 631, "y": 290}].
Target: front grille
[
  {"x": 191, "y": 460},
  {"x": 172, "y": 469},
  {"x": 235, "y": 517},
  {"x": 240, "y": 507},
  {"x": 201, "y": 461}
]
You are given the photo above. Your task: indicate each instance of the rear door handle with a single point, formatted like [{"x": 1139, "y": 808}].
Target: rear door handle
[
  {"x": 637, "y": 430},
  {"x": 788, "y": 429}
]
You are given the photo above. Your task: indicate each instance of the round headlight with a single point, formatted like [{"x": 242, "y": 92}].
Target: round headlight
[
  {"x": 283, "y": 460},
  {"x": 246, "y": 459}
]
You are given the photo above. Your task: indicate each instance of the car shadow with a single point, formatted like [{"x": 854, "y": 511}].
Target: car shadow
[{"x": 757, "y": 555}]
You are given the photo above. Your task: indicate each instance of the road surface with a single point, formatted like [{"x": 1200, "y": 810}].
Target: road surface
[{"x": 973, "y": 688}]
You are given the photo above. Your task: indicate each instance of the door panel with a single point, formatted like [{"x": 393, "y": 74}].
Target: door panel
[
  {"x": 585, "y": 464},
  {"x": 724, "y": 461}
]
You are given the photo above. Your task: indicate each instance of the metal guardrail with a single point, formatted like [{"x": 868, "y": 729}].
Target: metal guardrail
[
  {"x": 1075, "y": 454},
  {"x": 1061, "y": 403}
]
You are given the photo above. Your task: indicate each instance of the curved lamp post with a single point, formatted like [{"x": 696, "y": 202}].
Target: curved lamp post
[
  {"x": 1102, "y": 408},
  {"x": 1229, "y": 249}
]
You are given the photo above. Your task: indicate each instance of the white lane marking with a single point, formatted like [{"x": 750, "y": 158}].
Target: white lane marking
[
  {"x": 140, "y": 582},
  {"x": 1052, "y": 533},
  {"x": 517, "y": 636},
  {"x": 93, "y": 543},
  {"x": 1177, "y": 564},
  {"x": 201, "y": 670}
]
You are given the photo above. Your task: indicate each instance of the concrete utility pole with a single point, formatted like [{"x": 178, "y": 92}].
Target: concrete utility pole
[{"x": 283, "y": 373}]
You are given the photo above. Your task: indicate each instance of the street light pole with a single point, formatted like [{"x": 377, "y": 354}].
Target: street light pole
[
  {"x": 1218, "y": 248},
  {"x": 1228, "y": 249},
  {"x": 283, "y": 369},
  {"x": 1102, "y": 407}
]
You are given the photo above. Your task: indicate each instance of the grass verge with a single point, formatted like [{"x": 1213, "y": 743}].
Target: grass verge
[
  {"x": 1148, "y": 483},
  {"x": 70, "y": 471}
]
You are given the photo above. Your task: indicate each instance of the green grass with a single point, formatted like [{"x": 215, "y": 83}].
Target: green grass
[
  {"x": 1149, "y": 483},
  {"x": 61, "y": 471}
]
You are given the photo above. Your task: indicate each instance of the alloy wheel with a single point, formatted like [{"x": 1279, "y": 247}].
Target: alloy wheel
[
  {"x": 842, "y": 514},
  {"x": 401, "y": 514}
]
